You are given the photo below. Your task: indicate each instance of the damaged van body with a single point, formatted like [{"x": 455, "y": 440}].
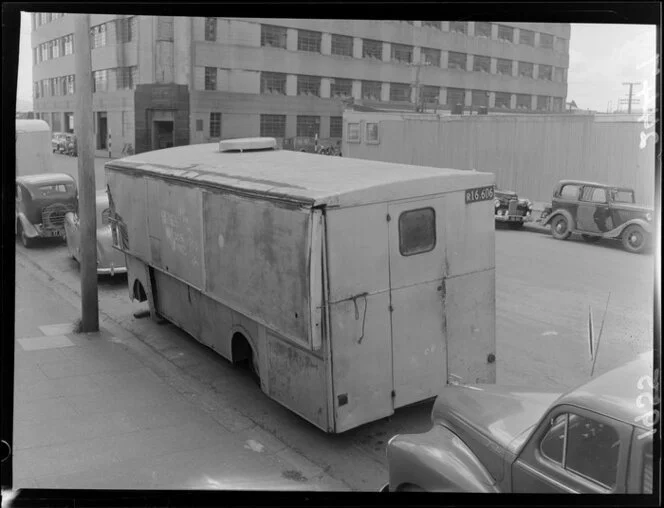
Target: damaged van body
[{"x": 353, "y": 287}]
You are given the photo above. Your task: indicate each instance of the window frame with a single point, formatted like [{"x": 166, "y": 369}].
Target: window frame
[
  {"x": 367, "y": 53},
  {"x": 367, "y": 83},
  {"x": 210, "y": 29},
  {"x": 210, "y": 77},
  {"x": 398, "y": 51},
  {"x": 308, "y": 39},
  {"x": 354, "y": 139},
  {"x": 310, "y": 84},
  {"x": 400, "y": 87},
  {"x": 547, "y": 46},
  {"x": 429, "y": 88},
  {"x": 371, "y": 140},
  {"x": 270, "y": 78},
  {"x": 540, "y": 73},
  {"x": 590, "y": 198},
  {"x": 519, "y": 72},
  {"x": 432, "y": 54},
  {"x": 528, "y": 98},
  {"x": 457, "y": 66},
  {"x": 336, "y": 129},
  {"x": 215, "y": 121},
  {"x": 528, "y": 41},
  {"x": 498, "y": 66},
  {"x": 459, "y": 27},
  {"x": 500, "y": 95},
  {"x": 438, "y": 25},
  {"x": 300, "y": 125},
  {"x": 339, "y": 39},
  {"x": 481, "y": 23},
  {"x": 433, "y": 229},
  {"x": 268, "y": 125},
  {"x": 454, "y": 91},
  {"x": 570, "y": 185},
  {"x": 334, "y": 82},
  {"x": 477, "y": 59},
  {"x": 278, "y": 33},
  {"x": 504, "y": 28}
]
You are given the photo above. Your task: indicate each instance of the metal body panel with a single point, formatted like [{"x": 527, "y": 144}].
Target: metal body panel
[{"x": 129, "y": 200}]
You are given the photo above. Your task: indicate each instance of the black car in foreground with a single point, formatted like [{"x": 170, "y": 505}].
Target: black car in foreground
[{"x": 512, "y": 210}]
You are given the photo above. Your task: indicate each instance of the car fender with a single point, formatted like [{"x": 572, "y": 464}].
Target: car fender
[
  {"x": 30, "y": 230},
  {"x": 436, "y": 461},
  {"x": 565, "y": 213},
  {"x": 616, "y": 232}
]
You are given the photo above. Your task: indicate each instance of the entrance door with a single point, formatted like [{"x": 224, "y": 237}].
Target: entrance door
[
  {"x": 102, "y": 130},
  {"x": 162, "y": 134},
  {"x": 417, "y": 292}
]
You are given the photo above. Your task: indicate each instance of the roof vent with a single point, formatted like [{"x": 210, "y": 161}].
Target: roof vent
[{"x": 243, "y": 144}]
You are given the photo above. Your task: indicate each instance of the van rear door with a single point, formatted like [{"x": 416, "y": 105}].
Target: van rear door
[{"x": 418, "y": 269}]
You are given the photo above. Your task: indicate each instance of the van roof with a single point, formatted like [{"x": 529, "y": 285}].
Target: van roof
[
  {"x": 32, "y": 126},
  {"x": 303, "y": 178}
]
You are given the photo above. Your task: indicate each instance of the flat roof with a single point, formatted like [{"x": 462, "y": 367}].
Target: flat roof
[{"x": 304, "y": 178}]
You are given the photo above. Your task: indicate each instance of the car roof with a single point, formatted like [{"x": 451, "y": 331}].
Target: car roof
[
  {"x": 616, "y": 393},
  {"x": 595, "y": 184},
  {"x": 310, "y": 179},
  {"x": 44, "y": 178}
]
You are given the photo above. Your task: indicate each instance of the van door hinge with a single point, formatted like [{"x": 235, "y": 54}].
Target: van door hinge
[
  {"x": 394, "y": 394},
  {"x": 391, "y": 308},
  {"x": 389, "y": 217}
]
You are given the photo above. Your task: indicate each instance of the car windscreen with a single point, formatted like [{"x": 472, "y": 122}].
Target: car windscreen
[
  {"x": 622, "y": 196},
  {"x": 54, "y": 189}
]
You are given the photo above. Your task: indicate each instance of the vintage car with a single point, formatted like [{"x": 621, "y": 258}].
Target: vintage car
[
  {"x": 596, "y": 438},
  {"x": 59, "y": 142},
  {"x": 110, "y": 261},
  {"x": 597, "y": 211},
  {"x": 42, "y": 201},
  {"x": 512, "y": 210}
]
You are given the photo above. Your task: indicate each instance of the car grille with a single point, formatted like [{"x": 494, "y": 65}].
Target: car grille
[
  {"x": 513, "y": 208},
  {"x": 53, "y": 216}
]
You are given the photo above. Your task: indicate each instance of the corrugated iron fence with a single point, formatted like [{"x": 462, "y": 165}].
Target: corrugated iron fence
[{"x": 528, "y": 154}]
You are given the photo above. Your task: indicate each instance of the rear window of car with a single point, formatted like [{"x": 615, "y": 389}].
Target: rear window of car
[
  {"x": 622, "y": 196},
  {"x": 570, "y": 191},
  {"x": 56, "y": 188}
]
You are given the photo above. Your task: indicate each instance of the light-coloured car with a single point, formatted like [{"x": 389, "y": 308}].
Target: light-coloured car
[
  {"x": 597, "y": 438},
  {"x": 110, "y": 261}
]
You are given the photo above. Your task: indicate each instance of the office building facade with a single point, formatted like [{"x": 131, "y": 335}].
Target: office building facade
[{"x": 163, "y": 80}]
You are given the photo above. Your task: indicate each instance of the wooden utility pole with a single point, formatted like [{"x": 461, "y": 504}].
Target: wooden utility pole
[
  {"x": 86, "y": 174},
  {"x": 629, "y": 100}
]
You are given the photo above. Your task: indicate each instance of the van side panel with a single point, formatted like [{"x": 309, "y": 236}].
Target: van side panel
[
  {"x": 470, "y": 294},
  {"x": 129, "y": 200},
  {"x": 361, "y": 342},
  {"x": 257, "y": 260}
]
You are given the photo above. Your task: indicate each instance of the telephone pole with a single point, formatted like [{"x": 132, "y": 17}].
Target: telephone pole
[
  {"x": 86, "y": 174},
  {"x": 629, "y": 100}
]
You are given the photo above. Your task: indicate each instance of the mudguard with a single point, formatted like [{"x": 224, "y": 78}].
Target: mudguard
[
  {"x": 568, "y": 216},
  {"x": 436, "y": 461},
  {"x": 30, "y": 230},
  {"x": 616, "y": 232}
]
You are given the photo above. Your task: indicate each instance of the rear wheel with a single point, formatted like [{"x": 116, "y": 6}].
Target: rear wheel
[
  {"x": 560, "y": 228},
  {"x": 634, "y": 239}
]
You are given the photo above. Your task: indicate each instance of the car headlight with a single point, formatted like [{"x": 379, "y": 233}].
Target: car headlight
[
  {"x": 649, "y": 217},
  {"x": 496, "y": 203}
]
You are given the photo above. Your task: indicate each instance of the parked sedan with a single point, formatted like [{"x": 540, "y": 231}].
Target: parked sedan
[
  {"x": 597, "y": 211},
  {"x": 59, "y": 142},
  {"x": 596, "y": 438},
  {"x": 110, "y": 261},
  {"x": 512, "y": 210}
]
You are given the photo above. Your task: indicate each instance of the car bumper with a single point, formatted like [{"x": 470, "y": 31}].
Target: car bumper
[
  {"x": 513, "y": 218},
  {"x": 112, "y": 270}
]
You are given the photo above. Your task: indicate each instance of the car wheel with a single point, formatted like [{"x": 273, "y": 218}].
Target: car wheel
[
  {"x": 634, "y": 239},
  {"x": 560, "y": 228},
  {"x": 591, "y": 238},
  {"x": 25, "y": 239},
  {"x": 515, "y": 225}
]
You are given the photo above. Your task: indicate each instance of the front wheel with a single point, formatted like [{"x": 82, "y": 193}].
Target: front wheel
[
  {"x": 560, "y": 228},
  {"x": 634, "y": 239}
]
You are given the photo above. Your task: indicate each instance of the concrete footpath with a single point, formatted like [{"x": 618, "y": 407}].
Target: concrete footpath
[{"x": 104, "y": 411}]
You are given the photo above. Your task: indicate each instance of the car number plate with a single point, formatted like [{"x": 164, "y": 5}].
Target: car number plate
[
  {"x": 479, "y": 194},
  {"x": 51, "y": 234}
]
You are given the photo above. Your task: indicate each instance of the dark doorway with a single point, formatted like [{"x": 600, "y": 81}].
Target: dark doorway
[
  {"x": 162, "y": 134},
  {"x": 102, "y": 130}
]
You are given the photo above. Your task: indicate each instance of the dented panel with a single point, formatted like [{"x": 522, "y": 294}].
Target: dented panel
[{"x": 128, "y": 201}]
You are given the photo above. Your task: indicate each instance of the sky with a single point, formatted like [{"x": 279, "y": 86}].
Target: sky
[{"x": 601, "y": 59}]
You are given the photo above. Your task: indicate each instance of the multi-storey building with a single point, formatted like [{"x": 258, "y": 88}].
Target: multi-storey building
[{"x": 163, "y": 80}]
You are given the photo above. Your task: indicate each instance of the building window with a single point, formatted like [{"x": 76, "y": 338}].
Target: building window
[
  {"x": 273, "y": 83},
  {"x": 525, "y": 70},
  {"x": 273, "y": 126},
  {"x": 431, "y": 56},
  {"x": 524, "y": 101},
  {"x": 480, "y": 98},
  {"x": 545, "y": 72},
  {"x": 126, "y": 77},
  {"x": 56, "y": 48},
  {"x": 165, "y": 28},
  {"x": 210, "y": 78},
  {"x": 457, "y": 61},
  {"x": 308, "y": 126},
  {"x": 504, "y": 67},
  {"x": 558, "y": 74},
  {"x": 558, "y": 104},
  {"x": 402, "y": 53},
  {"x": 417, "y": 231},
  {"x": 527, "y": 37},
  {"x": 503, "y": 100},
  {"x": 35, "y": 90},
  {"x": 433, "y": 24},
  {"x": 274, "y": 36},
  {"x": 542, "y": 103},
  {"x": 47, "y": 88},
  {"x": 371, "y": 133},
  {"x": 546, "y": 41},
  {"x": 505, "y": 33},
  {"x": 69, "y": 85},
  {"x": 199, "y": 125},
  {"x": 55, "y": 86},
  {"x": 561, "y": 45},
  {"x": 481, "y": 63},
  {"x": 308, "y": 41},
  {"x": 210, "y": 29},
  {"x": 483, "y": 29},
  {"x": 308, "y": 85},
  {"x": 341, "y": 87},
  {"x": 429, "y": 94},
  {"x": 336, "y": 126},
  {"x": 98, "y": 36},
  {"x": 100, "y": 81},
  {"x": 342, "y": 45},
  {"x": 35, "y": 61},
  {"x": 126, "y": 29},
  {"x": 399, "y": 92},
  {"x": 353, "y": 133},
  {"x": 459, "y": 27},
  {"x": 372, "y": 49},
  {"x": 55, "y": 122},
  {"x": 371, "y": 90},
  {"x": 215, "y": 125},
  {"x": 69, "y": 44},
  {"x": 456, "y": 96}
]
